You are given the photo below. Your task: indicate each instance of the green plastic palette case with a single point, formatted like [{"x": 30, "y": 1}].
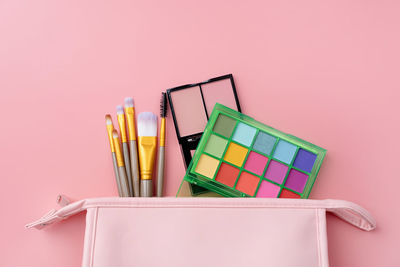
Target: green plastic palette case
[{"x": 240, "y": 157}]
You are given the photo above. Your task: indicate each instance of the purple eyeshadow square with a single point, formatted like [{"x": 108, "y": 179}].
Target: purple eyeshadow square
[
  {"x": 304, "y": 160},
  {"x": 276, "y": 171},
  {"x": 296, "y": 180}
]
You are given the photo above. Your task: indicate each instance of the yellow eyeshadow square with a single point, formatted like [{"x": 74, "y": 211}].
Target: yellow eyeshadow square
[
  {"x": 235, "y": 154},
  {"x": 207, "y": 166}
]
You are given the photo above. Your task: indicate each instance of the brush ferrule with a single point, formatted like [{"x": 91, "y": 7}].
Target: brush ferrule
[
  {"x": 162, "y": 132},
  {"x": 122, "y": 127},
  {"x": 130, "y": 118},
  {"x": 147, "y": 153},
  {"x": 110, "y": 128},
  {"x": 118, "y": 152}
]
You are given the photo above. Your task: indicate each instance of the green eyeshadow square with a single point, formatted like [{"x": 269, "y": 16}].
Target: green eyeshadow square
[
  {"x": 224, "y": 125},
  {"x": 215, "y": 146}
]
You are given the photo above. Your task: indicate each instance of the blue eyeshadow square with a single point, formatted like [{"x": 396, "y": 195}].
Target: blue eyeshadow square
[
  {"x": 304, "y": 160},
  {"x": 285, "y": 151},
  {"x": 264, "y": 143},
  {"x": 244, "y": 134}
]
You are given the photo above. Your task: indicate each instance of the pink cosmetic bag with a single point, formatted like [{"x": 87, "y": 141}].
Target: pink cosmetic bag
[{"x": 223, "y": 232}]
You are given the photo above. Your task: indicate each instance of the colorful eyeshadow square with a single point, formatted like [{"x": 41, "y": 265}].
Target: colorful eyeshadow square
[
  {"x": 224, "y": 125},
  {"x": 235, "y": 154},
  {"x": 247, "y": 183},
  {"x": 244, "y": 134},
  {"x": 276, "y": 171},
  {"x": 285, "y": 151},
  {"x": 296, "y": 180},
  {"x": 304, "y": 160},
  {"x": 207, "y": 166},
  {"x": 215, "y": 145},
  {"x": 268, "y": 189},
  {"x": 227, "y": 174},
  {"x": 256, "y": 163},
  {"x": 288, "y": 194},
  {"x": 264, "y": 143}
]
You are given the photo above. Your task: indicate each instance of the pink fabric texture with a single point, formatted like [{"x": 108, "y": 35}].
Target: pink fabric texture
[{"x": 219, "y": 231}]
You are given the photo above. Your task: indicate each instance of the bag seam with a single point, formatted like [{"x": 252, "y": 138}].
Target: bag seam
[
  {"x": 338, "y": 212},
  {"x": 321, "y": 213},
  {"x": 343, "y": 209},
  {"x": 318, "y": 236},
  {"x": 94, "y": 234}
]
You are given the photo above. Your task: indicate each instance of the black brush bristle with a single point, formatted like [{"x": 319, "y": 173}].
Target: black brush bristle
[{"x": 163, "y": 105}]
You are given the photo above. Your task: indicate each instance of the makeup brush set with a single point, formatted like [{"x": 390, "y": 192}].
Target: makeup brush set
[{"x": 134, "y": 156}]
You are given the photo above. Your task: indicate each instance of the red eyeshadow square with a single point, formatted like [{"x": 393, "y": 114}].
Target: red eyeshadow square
[
  {"x": 288, "y": 194},
  {"x": 227, "y": 174},
  {"x": 247, "y": 183}
]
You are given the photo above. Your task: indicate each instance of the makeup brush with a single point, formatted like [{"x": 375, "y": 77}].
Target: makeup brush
[
  {"x": 147, "y": 145},
  {"x": 125, "y": 149},
  {"x": 161, "y": 148},
  {"x": 121, "y": 165},
  {"x": 130, "y": 119},
  {"x": 110, "y": 128}
]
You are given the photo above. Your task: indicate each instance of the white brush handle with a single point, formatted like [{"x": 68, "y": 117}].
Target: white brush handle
[
  {"x": 114, "y": 159},
  {"x": 160, "y": 170},
  {"x": 135, "y": 168},
  {"x": 125, "y": 150},
  {"x": 124, "y": 181}
]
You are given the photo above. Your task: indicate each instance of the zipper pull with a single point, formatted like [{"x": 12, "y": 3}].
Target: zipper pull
[{"x": 63, "y": 200}]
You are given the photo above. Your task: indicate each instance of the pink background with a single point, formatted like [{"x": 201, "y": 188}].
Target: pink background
[{"x": 326, "y": 71}]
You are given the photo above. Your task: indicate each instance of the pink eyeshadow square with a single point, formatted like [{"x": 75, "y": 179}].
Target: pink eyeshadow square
[
  {"x": 218, "y": 92},
  {"x": 268, "y": 189},
  {"x": 256, "y": 163},
  {"x": 195, "y": 120},
  {"x": 276, "y": 171}
]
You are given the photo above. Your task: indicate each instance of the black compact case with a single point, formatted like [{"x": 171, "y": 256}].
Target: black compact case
[{"x": 191, "y": 105}]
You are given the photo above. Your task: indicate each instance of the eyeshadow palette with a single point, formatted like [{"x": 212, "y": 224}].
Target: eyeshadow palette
[
  {"x": 191, "y": 106},
  {"x": 240, "y": 157}
]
